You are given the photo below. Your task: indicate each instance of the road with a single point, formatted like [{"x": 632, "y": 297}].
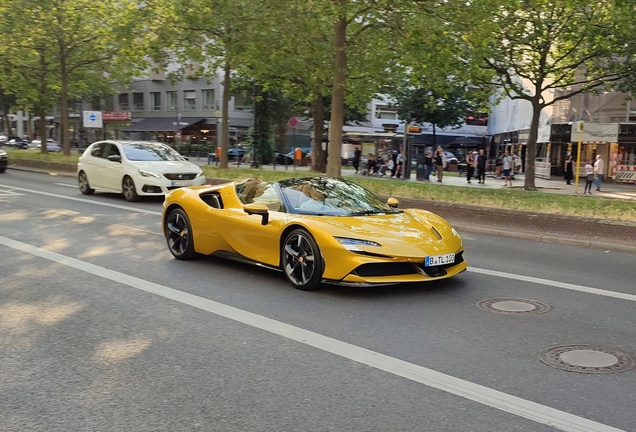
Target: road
[{"x": 101, "y": 329}]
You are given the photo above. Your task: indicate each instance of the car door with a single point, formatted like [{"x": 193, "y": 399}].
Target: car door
[
  {"x": 112, "y": 171},
  {"x": 247, "y": 235}
]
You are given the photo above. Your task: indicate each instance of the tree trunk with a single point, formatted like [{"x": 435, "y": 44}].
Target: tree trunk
[
  {"x": 64, "y": 119},
  {"x": 532, "y": 146},
  {"x": 7, "y": 122},
  {"x": 225, "y": 121},
  {"x": 42, "y": 130},
  {"x": 318, "y": 116},
  {"x": 337, "y": 99}
]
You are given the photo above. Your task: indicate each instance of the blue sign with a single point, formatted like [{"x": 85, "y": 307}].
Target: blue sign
[{"x": 92, "y": 117}]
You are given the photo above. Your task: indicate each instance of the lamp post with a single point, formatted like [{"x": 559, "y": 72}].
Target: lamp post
[{"x": 255, "y": 131}]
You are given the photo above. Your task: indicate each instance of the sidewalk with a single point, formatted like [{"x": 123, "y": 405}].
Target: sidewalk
[{"x": 557, "y": 185}]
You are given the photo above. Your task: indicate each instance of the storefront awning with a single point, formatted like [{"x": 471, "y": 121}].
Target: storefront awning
[{"x": 162, "y": 124}]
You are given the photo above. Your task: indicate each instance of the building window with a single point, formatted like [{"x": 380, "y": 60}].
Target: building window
[
  {"x": 189, "y": 100},
  {"x": 109, "y": 103},
  {"x": 172, "y": 100},
  {"x": 155, "y": 101},
  {"x": 123, "y": 102},
  {"x": 138, "y": 101},
  {"x": 384, "y": 112},
  {"x": 242, "y": 103},
  {"x": 208, "y": 99}
]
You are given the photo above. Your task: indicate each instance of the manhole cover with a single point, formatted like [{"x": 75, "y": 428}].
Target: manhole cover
[
  {"x": 513, "y": 306},
  {"x": 587, "y": 359}
]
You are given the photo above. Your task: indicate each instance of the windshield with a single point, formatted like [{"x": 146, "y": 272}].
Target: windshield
[
  {"x": 330, "y": 196},
  {"x": 150, "y": 152}
]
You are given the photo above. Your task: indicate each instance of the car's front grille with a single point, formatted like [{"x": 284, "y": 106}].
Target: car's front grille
[
  {"x": 402, "y": 268},
  {"x": 182, "y": 176}
]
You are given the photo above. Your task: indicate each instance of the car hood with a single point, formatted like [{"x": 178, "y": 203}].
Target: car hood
[
  {"x": 166, "y": 166},
  {"x": 410, "y": 233}
]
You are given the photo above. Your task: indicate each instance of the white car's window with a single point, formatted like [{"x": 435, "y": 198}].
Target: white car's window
[
  {"x": 150, "y": 152},
  {"x": 110, "y": 150},
  {"x": 97, "y": 150}
]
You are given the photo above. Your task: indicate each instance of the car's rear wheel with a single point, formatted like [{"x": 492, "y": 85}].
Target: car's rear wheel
[
  {"x": 84, "y": 186},
  {"x": 128, "y": 189},
  {"x": 301, "y": 260},
  {"x": 3, "y": 166},
  {"x": 179, "y": 235}
]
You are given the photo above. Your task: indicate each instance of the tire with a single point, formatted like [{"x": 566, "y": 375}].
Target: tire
[
  {"x": 301, "y": 260},
  {"x": 179, "y": 235},
  {"x": 3, "y": 167},
  {"x": 84, "y": 186},
  {"x": 128, "y": 189}
]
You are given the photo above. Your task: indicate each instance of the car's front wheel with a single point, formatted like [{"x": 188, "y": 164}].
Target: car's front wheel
[
  {"x": 301, "y": 260},
  {"x": 128, "y": 189},
  {"x": 84, "y": 186},
  {"x": 179, "y": 235}
]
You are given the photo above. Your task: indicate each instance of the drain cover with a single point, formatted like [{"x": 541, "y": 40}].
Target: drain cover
[
  {"x": 587, "y": 359},
  {"x": 513, "y": 306}
]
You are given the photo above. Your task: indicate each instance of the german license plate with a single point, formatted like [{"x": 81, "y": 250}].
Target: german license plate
[
  {"x": 437, "y": 260},
  {"x": 182, "y": 183}
]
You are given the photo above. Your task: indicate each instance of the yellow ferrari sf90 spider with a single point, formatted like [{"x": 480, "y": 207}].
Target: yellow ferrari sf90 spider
[{"x": 314, "y": 229}]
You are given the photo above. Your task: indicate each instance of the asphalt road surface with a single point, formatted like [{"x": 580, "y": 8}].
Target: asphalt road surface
[{"x": 101, "y": 329}]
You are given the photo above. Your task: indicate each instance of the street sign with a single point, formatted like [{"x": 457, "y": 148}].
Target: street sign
[
  {"x": 93, "y": 119},
  {"x": 293, "y": 122}
]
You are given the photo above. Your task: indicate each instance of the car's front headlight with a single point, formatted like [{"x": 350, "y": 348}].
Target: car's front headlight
[
  {"x": 353, "y": 244},
  {"x": 455, "y": 233},
  {"x": 145, "y": 173},
  {"x": 199, "y": 174},
  {"x": 3, "y": 153}
]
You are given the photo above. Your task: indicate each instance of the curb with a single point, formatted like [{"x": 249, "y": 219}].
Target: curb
[{"x": 547, "y": 239}]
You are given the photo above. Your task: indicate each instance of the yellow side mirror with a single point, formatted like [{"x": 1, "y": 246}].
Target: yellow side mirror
[{"x": 392, "y": 202}]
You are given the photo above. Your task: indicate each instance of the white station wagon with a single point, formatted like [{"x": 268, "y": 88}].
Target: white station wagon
[{"x": 135, "y": 169}]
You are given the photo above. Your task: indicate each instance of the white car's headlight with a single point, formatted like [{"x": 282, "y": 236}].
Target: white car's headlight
[
  {"x": 145, "y": 173},
  {"x": 199, "y": 174},
  {"x": 353, "y": 244},
  {"x": 3, "y": 153}
]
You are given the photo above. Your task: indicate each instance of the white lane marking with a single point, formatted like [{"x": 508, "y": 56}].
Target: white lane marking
[
  {"x": 475, "y": 392},
  {"x": 555, "y": 284},
  {"x": 66, "y": 184},
  {"x": 84, "y": 200}
]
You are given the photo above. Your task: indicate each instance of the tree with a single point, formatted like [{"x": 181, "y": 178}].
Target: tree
[
  {"x": 448, "y": 108},
  {"x": 545, "y": 51},
  {"x": 75, "y": 47}
]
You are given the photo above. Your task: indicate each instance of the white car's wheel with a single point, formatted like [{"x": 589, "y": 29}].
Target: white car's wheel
[
  {"x": 128, "y": 189},
  {"x": 84, "y": 186}
]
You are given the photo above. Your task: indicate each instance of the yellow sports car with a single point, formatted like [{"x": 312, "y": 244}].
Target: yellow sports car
[{"x": 314, "y": 229}]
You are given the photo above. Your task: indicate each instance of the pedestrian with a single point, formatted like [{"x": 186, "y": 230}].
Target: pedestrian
[
  {"x": 394, "y": 169},
  {"x": 569, "y": 169},
  {"x": 440, "y": 163},
  {"x": 599, "y": 169},
  {"x": 390, "y": 164},
  {"x": 470, "y": 167},
  {"x": 589, "y": 176},
  {"x": 298, "y": 157},
  {"x": 371, "y": 167},
  {"x": 428, "y": 165},
  {"x": 498, "y": 166},
  {"x": 399, "y": 161},
  {"x": 357, "y": 154},
  {"x": 508, "y": 165},
  {"x": 481, "y": 166},
  {"x": 383, "y": 165}
]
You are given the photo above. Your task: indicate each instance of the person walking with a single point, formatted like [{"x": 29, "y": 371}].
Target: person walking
[
  {"x": 390, "y": 165},
  {"x": 589, "y": 177},
  {"x": 599, "y": 169},
  {"x": 428, "y": 165},
  {"x": 569, "y": 169},
  {"x": 357, "y": 154},
  {"x": 481, "y": 166},
  {"x": 440, "y": 163},
  {"x": 508, "y": 165},
  {"x": 470, "y": 167},
  {"x": 399, "y": 161}
]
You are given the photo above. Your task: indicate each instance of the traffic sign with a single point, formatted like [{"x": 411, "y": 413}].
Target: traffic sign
[
  {"x": 93, "y": 119},
  {"x": 293, "y": 122}
]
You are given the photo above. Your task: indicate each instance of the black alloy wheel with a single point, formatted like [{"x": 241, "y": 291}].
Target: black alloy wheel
[
  {"x": 128, "y": 189},
  {"x": 178, "y": 235},
  {"x": 302, "y": 262},
  {"x": 84, "y": 187}
]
